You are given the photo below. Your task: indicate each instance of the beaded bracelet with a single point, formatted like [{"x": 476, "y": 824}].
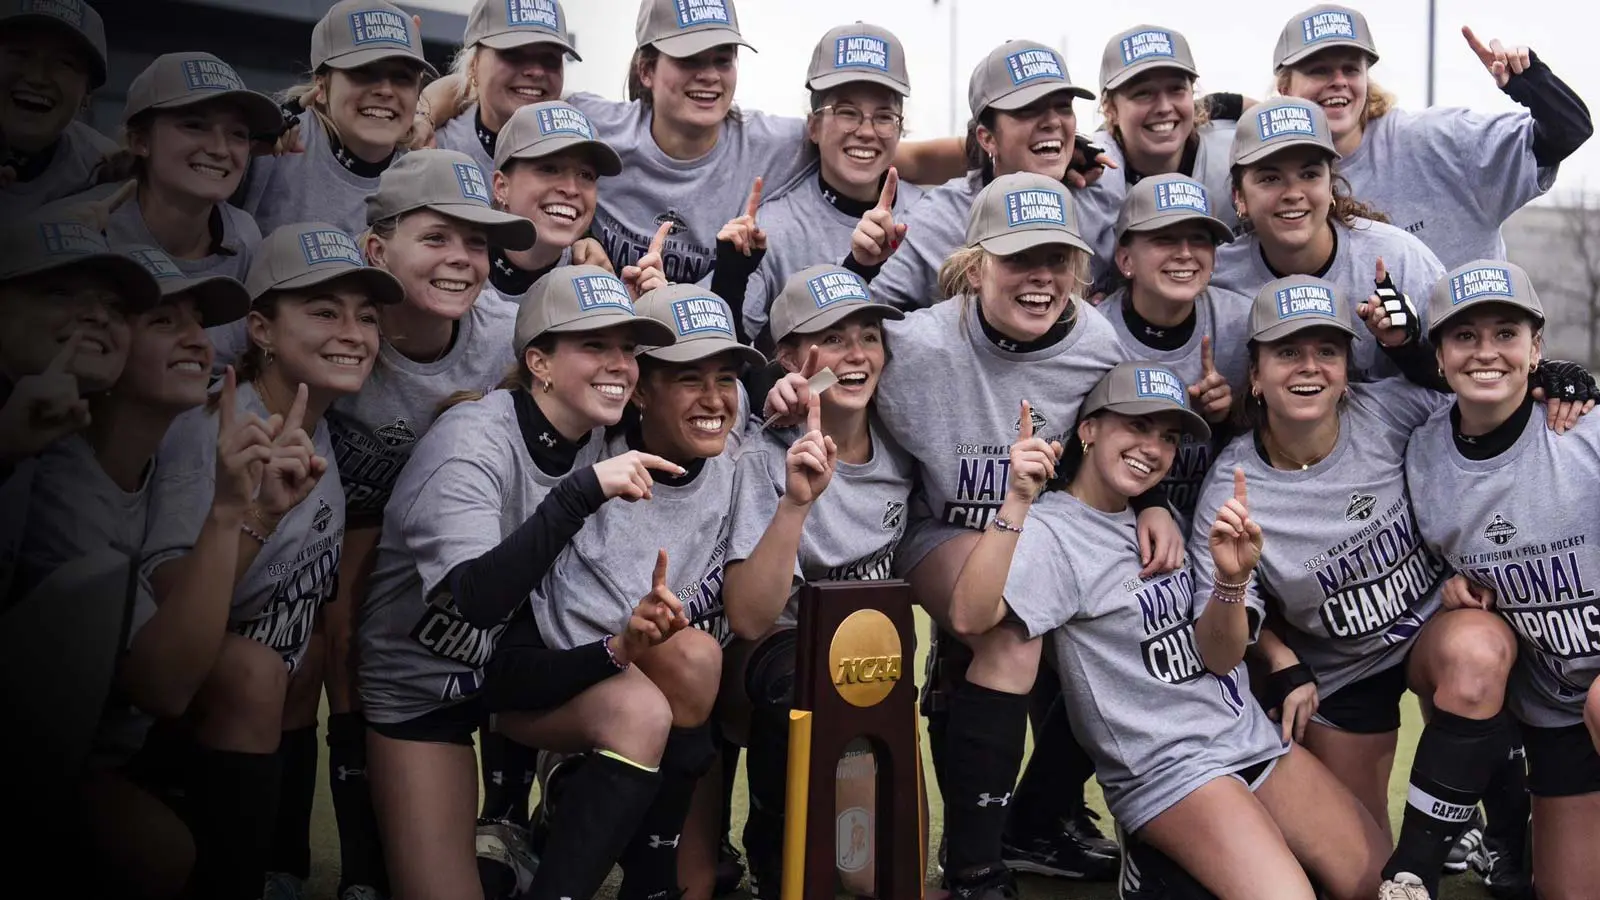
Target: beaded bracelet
[
  {"x": 1230, "y": 593},
  {"x": 1000, "y": 523},
  {"x": 255, "y": 535},
  {"x": 611, "y": 654}
]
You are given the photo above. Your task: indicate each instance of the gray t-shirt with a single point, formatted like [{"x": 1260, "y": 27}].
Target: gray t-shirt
[
  {"x": 375, "y": 431},
  {"x": 469, "y": 484},
  {"x": 79, "y": 152},
  {"x": 934, "y": 229},
  {"x": 1224, "y": 317},
  {"x": 1450, "y": 176},
  {"x": 607, "y": 569},
  {"x": 1157, "y": 723},
  {"x": 461, "y": 135},
  {"x": 699, "y": 195},
  {"x": 1343, "y": 563},
  {"x": 311, "y": 186},
  {"x": 76, "y": 509},
  {"x": 1415, "y": 270},
  {"x": 804, "y": 229},
  {"x": 1521, "y": 523},
  {"x": 277, "y": 599},
  {"x": 952, "y": 398},
  {"x": 240, "y": 237},
  {"x": 851, "y": 530}
]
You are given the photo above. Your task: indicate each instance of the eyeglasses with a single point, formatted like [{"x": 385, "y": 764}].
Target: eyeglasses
[{"x": 884, "y": 121}]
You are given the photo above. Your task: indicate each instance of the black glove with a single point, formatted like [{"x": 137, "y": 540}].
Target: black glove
[
  {"x": 1084, "y": 153},
  {"x": 1224, "y": 107},
  {"x": 1564, "y": 380},
  {"x": 1402, "y": 312}
]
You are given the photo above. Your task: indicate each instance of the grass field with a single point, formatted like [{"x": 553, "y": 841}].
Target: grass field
[{"x": 325, "y": 846}]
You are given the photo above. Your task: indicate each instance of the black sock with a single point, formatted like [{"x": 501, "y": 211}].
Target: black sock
[
  {"x": 983, "y": 750},
  {"x": 588, "y": 835},
  {"x": 509, "y": 770},
  {"x": 730, "y": 775},
  {"x": 360, "y": 847},
  {"x": 1506, "y": 804},
  {"x": 1455, "y": 758},
  {"x": 767, "y": 771},
  {"x": 948, "y": 660},
  {"x": 234, "y": 798},
  {"x": 650, "y": 862},
  {"x": 297, "y": 787},
  {"x": 1051, "y": 788}
]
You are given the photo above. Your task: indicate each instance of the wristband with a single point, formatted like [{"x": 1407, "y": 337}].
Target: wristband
[
  {"x": 611, "y": 654},
  {"x": 1282, "y": 683}
]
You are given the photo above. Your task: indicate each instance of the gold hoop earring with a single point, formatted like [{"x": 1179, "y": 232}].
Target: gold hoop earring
[
  {"x": 549, "y": 386},
  {"x": 267, "y": 357},
  {"x": 1086, "y": 445}
]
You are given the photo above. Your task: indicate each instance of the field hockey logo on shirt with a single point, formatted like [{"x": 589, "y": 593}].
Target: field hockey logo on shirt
[
  {"x": 1305, "y": 300},
  {"x": 379, "y": 26},
  {"x": 837, "y": 287},
  {"x": 327, "y": 246},
  {"x": 156, "y": 263},
  {"x": 69, "y": 11},
  {"x": 1146, "y": 44},
  {"x": 698, "y": 315},
  {"x": 1281, "y": 121},
  {"x": 597, "y": 291},
  {"x": 701, "y": 12},
  {"x": 1159, "y": 384},
  {"x": 1034, "y": 417},
  {"x": 1360, "y": 508},
  {"x": 1500, "y": 532},
  {"x": 473, "y": 185},
  {"x": 894, "y": 515},
  {"x": 561, "y": 120},
  {"x": 1327, "y": 25},
  {"x": 323, "y": 517},
  {"x": 861, "y": 51},
  {"x": 1035, "y": 208},
  {"x": 395, "y": 434},
  {"x": 211, "y": 75},
  {"x": 1182, "y": 195},
  {"x": 1484, "y": 281},
  {"x": 533, "y": 13},
  {"x": 70, "y": 239},
  {"x": 1032, "y": 65}
]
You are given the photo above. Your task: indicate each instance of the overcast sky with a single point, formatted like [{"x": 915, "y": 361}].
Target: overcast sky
[{"x": 1232, "y": 53}]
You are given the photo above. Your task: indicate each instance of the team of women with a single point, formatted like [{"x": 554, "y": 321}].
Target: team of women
[{"x": 492, "y": 418}]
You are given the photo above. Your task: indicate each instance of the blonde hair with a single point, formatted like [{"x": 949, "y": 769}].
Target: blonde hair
[
  {"x": 1108, "y": 114},
  {"x": 312, "y": 96},
  {"x": 518, "y": 377},
  {"x": 955, "y": 278},
  {"x": 1379, "y": 101},
  {"x": 462, "y": 65}
]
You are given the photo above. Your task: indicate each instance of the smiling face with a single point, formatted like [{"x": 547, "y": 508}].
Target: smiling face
[
  {"x": 1336, "y": 80},
  {"x": 1024, "y": 294},
  {"x": 324, "y": 337},
  {"x": 687, "y": 409},
  {"x": 39, "y": 314},
  {"x": 44, "y": 78},
  {"x": 373, "y": 106},
  {"x": 1302, "y": 377},
  {"x": 591, "y": 376},
  {"x": 1287, "y": 197},
  {"x": 510, "y": 79},
  {"x": 1129, "y": 455},
  {"x": 169, "y": 359},
  {"x": 855, "y": 157},
  {"x": 1487, "y": 354},
  {"x": 557, "y": 192},
  {"x": 441, "y": 262},
  {"x": 696, "y": 91},
  {"x": 1036, "y": 138},
  {"x": 198, "y": 151},
  {"x": 853, "y": 349},
  {"x": 1153, "y": 114},
  {"x": 1173, "y": 263}
]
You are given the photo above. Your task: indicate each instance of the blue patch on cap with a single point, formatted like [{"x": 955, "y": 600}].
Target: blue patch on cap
[
  {"x": 694, "y": 13},
  {"x": 601, "y": 291},
  {"x": 1286, "y": 120},
  {"x": 1306, "y": 300},
  {"x": 1035, "y": 64},
  {"x": 71, "y": 239},
  {"x": 156, "y": 263},
  {"x": 701, "y": 315},
  {"x": 565, "y": 120},
  {"x": 473, "y": 185},
  {"x": 68, "y": 11},
  {"x": 1325, "y": 26},
  {"x": 1035, "y": 207},
  {"x": 861, "y": 51},
  {"x": 1146, "y": 44},
  {"x": 380, "y": 26},
  {"x": 1172, "y": 195},
  {"x": 1484, "y": 281},
  {"x": 837, "y": 287},
  {"x": 1159, "y": 384},
  {"x": 211, "y": 75},
  {"x": 328, "y": 246},
  {"x": 541, "y": 14}
]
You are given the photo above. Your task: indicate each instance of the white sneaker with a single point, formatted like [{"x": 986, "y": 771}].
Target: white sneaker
[
  {"x": 507, "y": 844},
  {"x": 1404, "y": 886},
  {"x": 283, "y": 886}
]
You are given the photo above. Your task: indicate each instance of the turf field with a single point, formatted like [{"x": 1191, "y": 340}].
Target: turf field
[{"x": 325, "y": 847}]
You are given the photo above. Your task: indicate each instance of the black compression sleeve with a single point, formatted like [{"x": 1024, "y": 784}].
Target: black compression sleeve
[
  {"x": 1416, "y": 361},
  {"x": 488, "y": 588},
  {"x": 867, "y": 273},
  {"x": 525, "y": 675},
  {"x": 731, "y": 278},
  {"x": 1561, "y": 121}
]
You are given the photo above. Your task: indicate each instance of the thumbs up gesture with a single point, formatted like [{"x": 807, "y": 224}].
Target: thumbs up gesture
[
  {"x": 1211, "y": 395},
  {"x": 1235, "y": 537}
]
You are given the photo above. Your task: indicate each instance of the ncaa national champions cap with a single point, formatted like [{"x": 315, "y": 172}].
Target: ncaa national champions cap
[
  {"x": 1291, "y": 305},
  {"x": 1021, "y": 211},
  {"x": 682, "y": 28},
  {"x": 1321, "y": 28},
  {"x": 355, "y": 33},
  {"x": 1141, "y": 49},
  {"x": 74, "y": 17},
  {"x": 218, "y": 298},
  {"x": 1278, "y": 124},
  {"x": 583, "y": 298},
  {"x": 54, "y": 241},
  {"x": 820, "y": 297},
  {"x": 1016, "y": 74},
  {"x": 542, "y": 129},
  {"x": 1145, "y": 389},
  {"x": 449, "y": 183},
  {"x": 307, "y": 254},
  {"x": 176, "y": 80},
  {"x": 1161, "y": 200},
  {"x": 701, "y": 324},
  {"x": 1481, "y": 282},
  {"x": 859, "y": 52},
  {"x": 505, "y": 24}
]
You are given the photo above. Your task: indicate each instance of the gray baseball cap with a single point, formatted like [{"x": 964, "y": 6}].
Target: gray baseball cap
[
  {"x": 1277, "y": 124},
  {"x": 682, "y": 28},
  {"x": 583, "y": 298},
  {"x": 819, "y": 297},
  {"x": 449, "y": 183},
  {"x": 701, "y": 324},
  {"x": 54, "y": 241},
  {"x": 1016, "y": 74},
  {"x": 1481, "y": 282},
  {"x": 1321, "y": 28},
  {"x": 542, "y": 129},
  {"x": 1141, "y": 49},
  {"x": 504, "y": 24},
  {"x": 1023, "y": 210},
  {"x": 859, "y": 52},
  {"x": 79, "y": 19},
  {"x": 1162, "y": 200},
  {"x": 312, "y": 253},
  {"x": 1291, "y": 305},
  {"x": 220, "y": 299},
  {"x": 355, "y": 33},
  {"x": 176, "y": 80},
  {"x": 1145, "y": 389}
]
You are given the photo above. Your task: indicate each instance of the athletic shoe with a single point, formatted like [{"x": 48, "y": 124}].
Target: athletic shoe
[
  {"x": 1077, "y": 851},
  {"x": 360, "y": 892},
  {"x": 283, "y": 886},
  {"x": 1503, "y": 873},
  {"x": 987, "y": 883},
  {"x": 730, "y": 869},
  {"x": 551, "y": 769},
  {"x": 1403, "y": 886},
  {"x": 1456, "y": 862},
  {"x": 505, "y": 863},
  {"x": 1145, "y": 873}
]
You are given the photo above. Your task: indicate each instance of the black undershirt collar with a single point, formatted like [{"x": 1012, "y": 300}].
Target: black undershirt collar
[
  {"x": 850, "y": 206},
  {"x": 1157, "y": 337},
  {"x": 551, "y": 451},
  {"x": 633, "y": 432},
  {"x": 510, "y": 279},
  {"x": 1050, "y": 338},
  {"x": 355, "y": 164},
  {"x": 485, "y": 136},
  {"x": 1191, "y": 150},
  {"x": 29, "y": 166},
  {"x": 1320, "y": 273},
  {"x": 1497, "y": 441}
]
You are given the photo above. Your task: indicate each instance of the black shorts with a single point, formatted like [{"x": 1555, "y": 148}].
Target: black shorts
[
  {"x": 1562, "y": 762},
  {"x": 1368, "y": 706},
  {"x": 449, "y": 725}
]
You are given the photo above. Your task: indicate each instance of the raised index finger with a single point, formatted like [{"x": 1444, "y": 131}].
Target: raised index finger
[
  {"x": 814, "y": 416},
  {"x": 755, "y": 199},
  {"x": 297, "y": 413},
  {"x": 1382, "y": 271},
  {"x": 63, "y": 358},
  {"x": 812, "y": 363},
  {"x": 660, "y": 240},
  {"x": 225, "y": 405},
  {"x": 891, "y": 184},
  {"x": 659, "y": 579},
  {"x": 1477, "y": 46},
  {"x": 1239, "y": 491},
  {"x": 1025, "y": 422},
  {"x": 1208, "y": 364}
]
